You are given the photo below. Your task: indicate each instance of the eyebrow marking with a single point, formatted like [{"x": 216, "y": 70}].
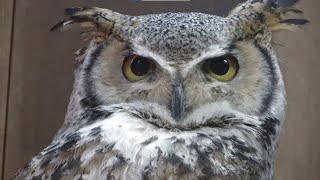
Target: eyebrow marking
[
  {"x": 212, "y": 51},
  {"x": 143, "y": 51}
]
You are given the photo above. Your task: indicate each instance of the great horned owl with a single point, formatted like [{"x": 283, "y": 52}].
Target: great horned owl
[{"x": 172, "y": 96}]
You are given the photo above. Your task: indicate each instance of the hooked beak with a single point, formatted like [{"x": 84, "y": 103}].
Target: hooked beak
[{"x": 178, "y": 102}]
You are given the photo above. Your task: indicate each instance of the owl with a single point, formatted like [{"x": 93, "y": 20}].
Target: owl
[{"x": 172, "y": 96}]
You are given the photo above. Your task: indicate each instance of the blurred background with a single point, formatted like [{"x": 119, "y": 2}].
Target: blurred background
[{"x": 36, "y": 78}]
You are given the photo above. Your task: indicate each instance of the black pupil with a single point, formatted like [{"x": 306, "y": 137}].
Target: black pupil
[
  {"x": 140, "y": 66},
  {"x": 219, "y": 66}
]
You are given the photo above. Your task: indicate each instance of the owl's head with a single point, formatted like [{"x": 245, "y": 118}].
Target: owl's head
[
  {"x": 185, "y": 66},
  {"x": 199, "y": 93}
]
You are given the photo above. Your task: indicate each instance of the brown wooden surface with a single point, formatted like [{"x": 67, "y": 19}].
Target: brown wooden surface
[
  {"x": 41, "y": 79},
  {"x": 6, "y": 13}
]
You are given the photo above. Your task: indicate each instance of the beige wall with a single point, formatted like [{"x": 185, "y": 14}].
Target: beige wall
[
  {"x": 299, "y": 156},
  {"x": 38, "y": 75}
]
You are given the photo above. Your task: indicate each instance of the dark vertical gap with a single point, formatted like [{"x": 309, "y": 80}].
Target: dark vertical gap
[{"x": 8, "y": 91}]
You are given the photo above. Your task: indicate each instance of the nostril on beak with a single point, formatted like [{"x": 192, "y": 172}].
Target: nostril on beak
[{"x": 178, "y": 102}]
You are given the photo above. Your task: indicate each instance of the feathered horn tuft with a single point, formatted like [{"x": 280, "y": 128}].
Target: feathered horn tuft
[
  {"x": 274, "y": 13},
  {"x": 93, "y": 22}
]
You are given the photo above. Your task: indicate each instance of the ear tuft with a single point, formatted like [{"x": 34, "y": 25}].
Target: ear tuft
[
  {"x": 290, "y": 24},
  {"x": 90, "y": 19},
  {"x": 298, "y": 22},
  {"x": 59, "y": 25},
  {"x": 274, "y": 13}
]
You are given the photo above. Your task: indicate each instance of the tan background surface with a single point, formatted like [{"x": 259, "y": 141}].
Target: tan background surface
[{"x": 36, "y": 68}]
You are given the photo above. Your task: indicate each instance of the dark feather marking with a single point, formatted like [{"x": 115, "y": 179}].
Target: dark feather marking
[
  {"x": 102, "y": 15},
  {"x": 139, "y": 115},
  {"x": 297, "y": 11},
  {"x": 159, "y": 154},
  {"x": 121, "y": 158},
  {"x": 93, "y": 115},
  {"x": 80, "y": 178},
  {"x": 180, "y": 166},
  {"x": 106, "y": 148},
  {"x": 146, "y": 172},
  {"x": 214, "y": 122},
  {"x": 144, "y": 115},
  {"x": 80, "y": 52},
  {"x": 109, "y": 147},
  {"x": 268, "y": 131},
  {"x": 37, "y": 177},
  {"x": 52, "y": 147},
  {"x": 218, "y": 122},
  {"x": 157, "y": 124},
  {"x": 150, "y": 140},
  {"x": 204, "y": 162},
  {"x": 250, "y": 125},
  {"x": 269, "y": 96},
  {"x": 121, "y": 162},
  {"x": 174, "y": 159},
  {"x": 179, "y": 141},
  {"x": 71, "y": 140},
  {"x": 241, "y": 146},
  {"x": 91, "y": 99},
  {"x": 58, "y": 172},
  {"x": 295, "y": 21},
  {"x": 261, "y": 17},
  {"x": 110, "y": 177},
  {"x": 245, "y": 153},
  {"x": 253, "y": 166},
  {"x": 95, "y": 131},
  {"x": 255, "y": 1},
  {"x": 218, "y": 144},
  {"x": 208, "y": 149},
  {"x": 45, "y": 162},
  {"x": 230, "y": 47},
  {"x": 202, "y": 135}
]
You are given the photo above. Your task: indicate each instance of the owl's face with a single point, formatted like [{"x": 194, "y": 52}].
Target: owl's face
[
  {"x": 183, "y": 65},
  {"x": 182, "y": 95},
  {"x": 172, "y": 96}
]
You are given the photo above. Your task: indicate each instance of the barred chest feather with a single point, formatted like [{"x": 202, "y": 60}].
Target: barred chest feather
[{"x": 124, "y": 143}]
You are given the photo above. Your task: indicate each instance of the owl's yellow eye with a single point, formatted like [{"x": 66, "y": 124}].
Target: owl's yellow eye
[
  {"x": 223, "y": 68},
  {"x": 136, "y": 68}
]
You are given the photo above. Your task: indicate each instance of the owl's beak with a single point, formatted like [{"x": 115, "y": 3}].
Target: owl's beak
[{"x": 178, "y": 102}]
